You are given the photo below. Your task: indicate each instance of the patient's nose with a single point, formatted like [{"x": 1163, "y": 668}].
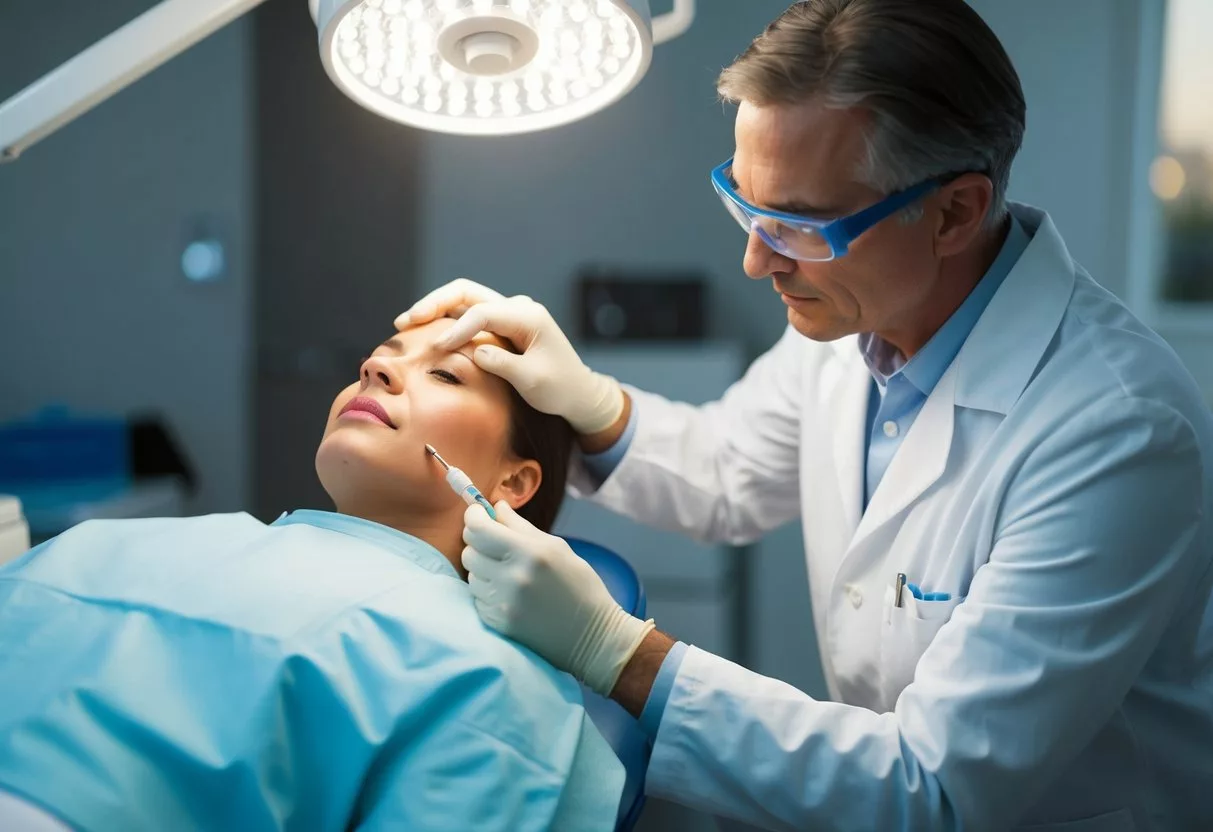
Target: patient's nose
[{"x": 379, "y": 371}]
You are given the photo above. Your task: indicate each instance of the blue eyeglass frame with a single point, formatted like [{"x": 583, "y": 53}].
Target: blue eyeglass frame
[{"x": 838, "y": 233}]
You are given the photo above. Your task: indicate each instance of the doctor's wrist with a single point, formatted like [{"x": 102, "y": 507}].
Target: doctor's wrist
[
  {"x": 603, "y": 440},
  {"x": 635, "y": 682}
]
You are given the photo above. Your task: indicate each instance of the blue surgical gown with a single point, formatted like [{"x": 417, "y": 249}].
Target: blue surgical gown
[{"x": 320, "y": 673}]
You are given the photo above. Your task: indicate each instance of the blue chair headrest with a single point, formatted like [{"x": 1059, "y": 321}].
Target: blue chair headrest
[
  {"x": 624, "y": 734},
  {"x": 620, "y": 578}
]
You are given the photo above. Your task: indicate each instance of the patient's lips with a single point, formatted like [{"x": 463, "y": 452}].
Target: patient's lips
[{"x": 367, "y": 409}]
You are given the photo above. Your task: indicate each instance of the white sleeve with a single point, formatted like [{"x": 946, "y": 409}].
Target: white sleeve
[
  {"x": 1096, "y": 548},
  {"x": 727, "y": 471}
]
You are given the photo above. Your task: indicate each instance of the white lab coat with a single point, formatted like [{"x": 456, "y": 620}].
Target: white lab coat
[{"x": 1056, "y": 482}]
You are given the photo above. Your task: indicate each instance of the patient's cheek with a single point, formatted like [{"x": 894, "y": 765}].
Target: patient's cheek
[{"x": 462, "y": 429}]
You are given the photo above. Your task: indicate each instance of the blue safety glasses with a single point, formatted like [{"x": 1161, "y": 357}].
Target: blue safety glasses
[{"x": 805, "y": 238}]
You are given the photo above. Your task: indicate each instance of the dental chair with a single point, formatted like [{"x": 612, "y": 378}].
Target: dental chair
[{"x": 616, "y": 725}]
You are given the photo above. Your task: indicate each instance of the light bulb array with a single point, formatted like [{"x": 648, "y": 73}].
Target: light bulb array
[{"x": 487, "y": 66}]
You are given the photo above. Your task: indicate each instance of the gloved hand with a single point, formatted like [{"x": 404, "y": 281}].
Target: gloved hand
[
  {"x": 548, "y": 373},
  {"x": 448, "y": 301},
  {"x": 532, "y": 587}
]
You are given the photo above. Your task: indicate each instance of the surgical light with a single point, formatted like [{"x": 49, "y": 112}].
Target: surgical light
[{"x": 474, "y": 67}]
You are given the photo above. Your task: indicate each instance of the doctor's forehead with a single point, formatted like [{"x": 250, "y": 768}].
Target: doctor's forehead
[{"x": 800, "y": 145}]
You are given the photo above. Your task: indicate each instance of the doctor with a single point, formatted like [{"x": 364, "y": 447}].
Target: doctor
[{"x": 954, "y": 401}]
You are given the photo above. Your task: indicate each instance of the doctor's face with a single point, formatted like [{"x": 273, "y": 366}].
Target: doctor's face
[
  {"x": 804, "y": 159},
  {"x": 408, "y": 394}
]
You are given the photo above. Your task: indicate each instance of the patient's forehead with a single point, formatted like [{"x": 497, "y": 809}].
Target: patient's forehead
[{"x": 426, "y": 334}]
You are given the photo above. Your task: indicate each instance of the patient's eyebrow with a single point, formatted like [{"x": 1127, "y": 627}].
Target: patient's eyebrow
[
  {"x": 396, "y": 344},
  {"x": 467, "y": 356},
  {"x": 464, "y": 351}
]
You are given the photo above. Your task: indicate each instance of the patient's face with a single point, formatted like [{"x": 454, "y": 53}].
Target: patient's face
[{"x": 427, "y": 396}]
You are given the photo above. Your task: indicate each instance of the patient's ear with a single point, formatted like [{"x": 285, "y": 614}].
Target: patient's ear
[{"x": 520, "y": 483}]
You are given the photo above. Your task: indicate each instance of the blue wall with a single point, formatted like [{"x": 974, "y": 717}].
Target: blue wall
[{"x": 94, "y": 310}]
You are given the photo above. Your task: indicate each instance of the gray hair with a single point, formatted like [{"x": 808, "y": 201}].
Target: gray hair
[{"x": 941, "y": 90}]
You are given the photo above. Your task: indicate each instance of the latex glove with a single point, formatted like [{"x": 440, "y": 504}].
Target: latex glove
[
  {"x": 547, "y": 372},
  {"x": 532, "y": 587},
  {"x": 447, "y": 301}
]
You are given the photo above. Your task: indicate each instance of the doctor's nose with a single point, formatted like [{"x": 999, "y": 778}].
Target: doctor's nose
[
  {"x": 381, "y": 372},
  {"x": 762, "y": 261}
]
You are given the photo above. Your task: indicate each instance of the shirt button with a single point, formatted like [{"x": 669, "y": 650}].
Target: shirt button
[
  {"x": 856, "y": 597},
  {"x": 890, "y": 429}
]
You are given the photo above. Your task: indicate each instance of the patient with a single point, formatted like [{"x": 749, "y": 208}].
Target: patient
[
  {"x": 328, "y": 671},
  {"x": 474, "y": 419}
]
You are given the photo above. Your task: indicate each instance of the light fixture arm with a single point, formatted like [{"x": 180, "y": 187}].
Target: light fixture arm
[
  {"x": 670, "y": 25},
  {"x": 116, "y": 61}
]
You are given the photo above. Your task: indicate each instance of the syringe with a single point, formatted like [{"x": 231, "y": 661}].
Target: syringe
[{"x": 462, "y": 484}]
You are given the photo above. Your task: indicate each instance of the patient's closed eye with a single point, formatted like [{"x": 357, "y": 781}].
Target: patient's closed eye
[{"x": 446, "y": 375}]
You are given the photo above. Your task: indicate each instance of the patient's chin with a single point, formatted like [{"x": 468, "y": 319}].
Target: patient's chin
[
  {"x": 343, "y": 469},
  {"x": 352, "y": 474}
]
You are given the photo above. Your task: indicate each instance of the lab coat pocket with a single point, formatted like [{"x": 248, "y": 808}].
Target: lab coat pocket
[{"x": 905, "y": 634}]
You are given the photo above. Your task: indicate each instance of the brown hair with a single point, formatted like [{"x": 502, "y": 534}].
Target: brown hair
[
  {"x": 944, "y": 96},
  {"x": 548, "y": 440}
]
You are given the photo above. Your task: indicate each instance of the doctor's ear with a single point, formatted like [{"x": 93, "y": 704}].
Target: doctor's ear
[
  {"x": 519, "y": 484},
  {"x": 964, "y": 203}
]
